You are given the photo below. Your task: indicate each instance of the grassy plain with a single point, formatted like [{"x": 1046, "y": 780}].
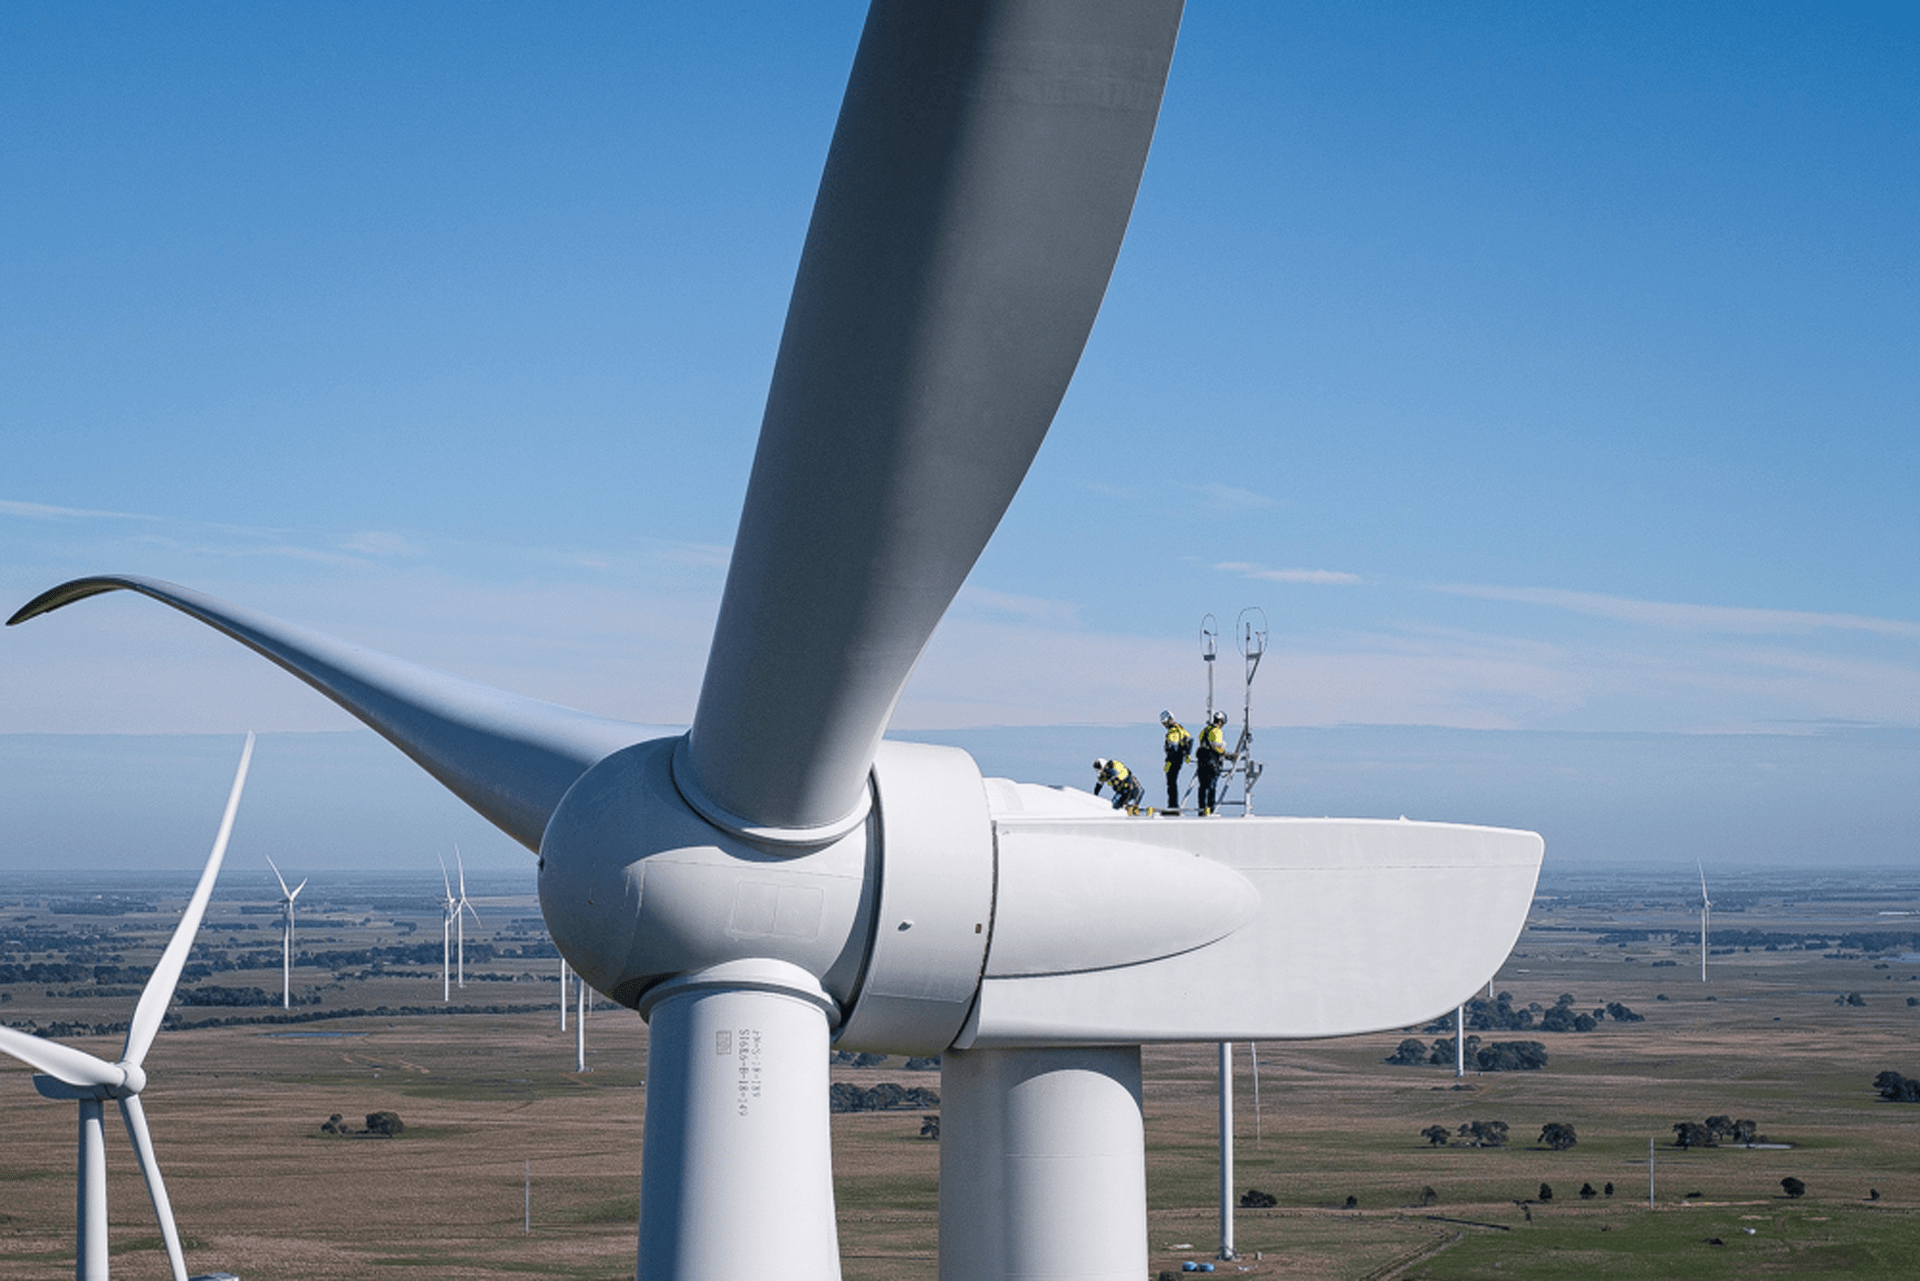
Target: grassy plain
[{"x": 489, "y": 1098}]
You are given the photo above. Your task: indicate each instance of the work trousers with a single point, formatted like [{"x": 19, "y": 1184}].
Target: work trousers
[{"x": 1207, "y": 776}]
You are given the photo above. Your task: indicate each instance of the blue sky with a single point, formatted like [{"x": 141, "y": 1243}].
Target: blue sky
[{"x": 1537, "y": 370}]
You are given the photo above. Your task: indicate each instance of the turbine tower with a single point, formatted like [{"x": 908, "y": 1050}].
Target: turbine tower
[
  {"x": 286, "y": 934},
  {"x": 807, "y": 884},
  {"x": 66, "y": 1073},
  {"x": 449, "y": 909},
  {"x": 1706, "y": 905}
]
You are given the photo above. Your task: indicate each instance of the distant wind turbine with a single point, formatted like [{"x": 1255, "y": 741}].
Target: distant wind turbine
[
  {"x": 459, "y": 923},
  {"x": 449, "y": 909},
  {"x": 1706, "y": 905},
  {"x": 67, "y": 1073},
  {"x": 286, "y": 934}
]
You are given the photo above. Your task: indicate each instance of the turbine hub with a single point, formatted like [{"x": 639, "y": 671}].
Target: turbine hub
[
  {"x": 636, "y": 887},
  {"x": 136, "y": 1080}
]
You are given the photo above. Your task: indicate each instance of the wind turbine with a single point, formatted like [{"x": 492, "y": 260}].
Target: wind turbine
[
  {"x": 1706, "y": 905},
  {"x": 459, "y": 921},
  {"x": 806, "y": 883},
  {"x": 449, "y": 909},
  {"x": 286, "y": 934},
  {"x": 67, "y": 1073}
]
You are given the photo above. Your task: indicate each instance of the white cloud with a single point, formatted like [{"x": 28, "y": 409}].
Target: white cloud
[
  {"x": 1232, "y": 497},
  {"x": 46, "y": 511},
  {"x": 379, "y": 542},
  {"x": 1684, "y": 617},
  {"x": 1029, "y": 609},
  {"x": 1248, "y": 570}
]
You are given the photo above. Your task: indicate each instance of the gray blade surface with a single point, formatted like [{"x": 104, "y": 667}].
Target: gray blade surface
[
  {"x": 158, "y": 993},
  {"x": 509, "y": 757},
  {"x": 62, "y": 1062},
  {"x": 136, "y": 1118},
  {"x": 980, "y": 181}
]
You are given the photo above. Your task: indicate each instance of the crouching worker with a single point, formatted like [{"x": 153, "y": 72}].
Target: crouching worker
[{"x": 1126, "y": 788}]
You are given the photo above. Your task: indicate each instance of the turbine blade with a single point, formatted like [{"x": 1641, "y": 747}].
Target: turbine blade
[
  {"x": 443, "y": 875},
  {"x": 277, "y": 876},
  {"x": 63, "y": 1062},
  {"x": 979, "y": 183},
  {"x": 509, "y": 757},
  {"x": 296, "y": 891},
  {"x": 462, "y": 865},
  {"x": 158, "y": 993},
  {"x": 136, "y": 1119}
]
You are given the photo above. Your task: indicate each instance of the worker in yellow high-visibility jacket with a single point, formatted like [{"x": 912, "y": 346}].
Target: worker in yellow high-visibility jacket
[
  {"x": 1179, "y": 749},
  {"x": 1126, "y": 788},
  {"x": 1210, "y": 760}
]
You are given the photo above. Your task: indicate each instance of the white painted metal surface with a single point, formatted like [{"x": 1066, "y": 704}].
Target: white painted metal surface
[
  {"x": 1042, "y": 1165},
  {"x": 935, "y": 908},
  {"x": 1226, "y": 1150},
  {"x": 90, "y": 1262},
  {"x": 738, "y": 1162},
  {"x": 1371, "y": 902},
  {"x": 580, "y": 1027}
]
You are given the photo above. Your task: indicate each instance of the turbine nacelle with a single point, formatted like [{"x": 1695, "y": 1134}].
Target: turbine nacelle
[{"x": 133, "y": 1080}]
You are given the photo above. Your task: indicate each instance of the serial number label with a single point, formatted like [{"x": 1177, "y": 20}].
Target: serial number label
[{"x": 747, "y": 1054}]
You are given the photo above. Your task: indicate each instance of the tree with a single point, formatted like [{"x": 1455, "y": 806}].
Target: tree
[
  {"x": 1608, "y": 1190},
  {"x": 1896, "y": 1088},
  {"x": 1411, "y": 1053},
  {"x": 1746, "y": 1131},
  {"x": 1558, "y": 1135},
  {"x": 1793, "y": 1187},
  {"x": 1720, "y": 1127},
  {"x": 1437, "y": 1135},
  {"x": 1546, "y": 1191},
  {"x": 1587, "y": 1193},
  {"x": 1428, "y": 1196},
  {"x": 1255, "y": 1199},
  {"x": 1484, "y": 1134},
  {"x": 1511, "y": 1056},
  {"x": 1621, "y": 1014},
  {"x": 1443, "y": 1051},
  {"x": 930, "y": 1126},
  {"x": 1691, "y": 1134},
  {"x": 385, "y": 1123}
]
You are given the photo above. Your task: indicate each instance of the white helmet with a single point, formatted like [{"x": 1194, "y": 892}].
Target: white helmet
[
  {"x": 1100, "y": 763},
  {"x": 1166, "y": 718}
]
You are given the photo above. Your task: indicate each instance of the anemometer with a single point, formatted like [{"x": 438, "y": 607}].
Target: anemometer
[{"x": 1250, "y": 636}]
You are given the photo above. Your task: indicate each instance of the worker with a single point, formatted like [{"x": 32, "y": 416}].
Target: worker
[
  {"x": 1179, "y": 749},
  {"x": 1126, "y": 788},
  {"x": 1210, "y": 760}
]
